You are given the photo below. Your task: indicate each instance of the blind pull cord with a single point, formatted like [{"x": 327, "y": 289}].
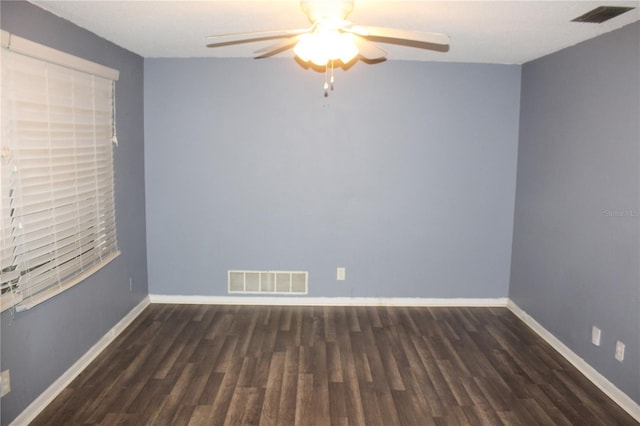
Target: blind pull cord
[{"x": 114, "y": 132}]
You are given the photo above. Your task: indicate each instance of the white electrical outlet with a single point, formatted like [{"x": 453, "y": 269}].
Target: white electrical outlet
[
  {"x": 341, "y": 274},
  {"x": 5, "y": 382},
  {"x": 619, "y": 351},
  {"x": 595, "y": 335}
]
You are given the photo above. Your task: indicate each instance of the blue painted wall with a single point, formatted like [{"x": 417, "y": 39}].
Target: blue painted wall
[
  {"x": 405, "y": 175},
  {"x": 576, "y": 242},
  {"x": 41, "y": 344}
]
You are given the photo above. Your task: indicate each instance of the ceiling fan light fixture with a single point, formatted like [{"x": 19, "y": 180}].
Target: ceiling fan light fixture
[
  {"x": 322, "y": 47},
  {"x": 332, "y": 38}
]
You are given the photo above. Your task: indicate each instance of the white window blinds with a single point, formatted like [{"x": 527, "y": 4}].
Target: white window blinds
[{"x": 57, "y": 203}]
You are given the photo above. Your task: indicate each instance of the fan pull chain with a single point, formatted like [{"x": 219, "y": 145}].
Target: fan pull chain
[
  {"x": 332, "y": 74},
  {"x": 326, "y": 84},
  {"x": 327, "y": 80}
]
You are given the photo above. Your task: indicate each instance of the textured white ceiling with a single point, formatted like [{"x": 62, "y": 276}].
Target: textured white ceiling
[{"x": 511, "y": 32}]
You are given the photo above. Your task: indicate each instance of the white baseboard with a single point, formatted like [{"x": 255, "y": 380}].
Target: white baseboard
[
  {"x": 619, "y": 397},
  {"x": 46, "y": 397},
  {"x": 326, "y": 301}
]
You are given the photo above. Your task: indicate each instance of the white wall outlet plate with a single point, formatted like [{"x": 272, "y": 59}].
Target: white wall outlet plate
[
  {"x": 341, "y": 274},
  {"x": 595, "y": 335},
  {"x": 619, "y": 351}
]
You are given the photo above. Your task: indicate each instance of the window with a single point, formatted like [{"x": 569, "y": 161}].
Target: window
[{"x": 57, "y": 213}]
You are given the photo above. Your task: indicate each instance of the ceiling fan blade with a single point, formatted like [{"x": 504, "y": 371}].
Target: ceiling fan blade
[
  {"x": 410, "y": 38},
  {"x": 221, "y": 40},
  {"x": 369, "y": 51},
  {"x": 276, "y": 48}
]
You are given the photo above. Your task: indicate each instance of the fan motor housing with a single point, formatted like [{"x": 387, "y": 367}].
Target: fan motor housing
[{"x": 326, "y": 9}]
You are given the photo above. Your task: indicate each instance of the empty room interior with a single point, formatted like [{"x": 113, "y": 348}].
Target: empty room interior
[{"x": 441, "y": 228}]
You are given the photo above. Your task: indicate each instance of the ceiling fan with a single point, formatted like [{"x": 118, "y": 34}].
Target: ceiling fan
[{"x": 331, "y": 38}]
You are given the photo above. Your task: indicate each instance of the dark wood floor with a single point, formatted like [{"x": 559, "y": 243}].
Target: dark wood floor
[{"x": 231, "y": 365}]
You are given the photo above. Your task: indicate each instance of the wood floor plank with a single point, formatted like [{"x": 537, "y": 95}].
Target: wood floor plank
[
  {"x": 277, "y": 365},
  {"x": 352, "y": 319},
  {"x": 269, "y": 414},
  {"x": 320, "y": 395},
  {"x": 349, "y": 374},
  {"x": 240, "y": 401},
  {"x": 171, "y": 349},
  {"x": 211, "y": 388},
  {"x": 288, "y": 393},
  {"x": 270, "y": 329},
  {"x": 486, "y": 416},
  {"x": 152, "y": 409},
  {"x": 373, "y": 412},
  {"x": 389, "y": 362},
  {"x": 434, "y": 371},
  {"x": 382, "y": 380},
  {"x": 330, "y": 333},
  {"x": 499, "y": 397},
  {"x": 334, "y": 364},
  {"x": 252, "y": 404},
  {"x": 172, "y": 402},
  {"x": 225, "y": 357},
  {"x": 63, "y": 407},
  {"x": 304, "y": 401},
  {"x": 412, "y": 408},
  {"x": 199, "y": 416},
  {"x": 245, "y": 331},
  {"x": 454, "y": 384},
  {"x": 151, "y": 389},
  {"x": 247, "y": 372},
  {"x": 296, "y": 326},
  {"x": 183, "y": 415},
  {"x": 571, "y": 410},
  {"x": 221, "y": 403},
  {"x": 261, "y": 372}
]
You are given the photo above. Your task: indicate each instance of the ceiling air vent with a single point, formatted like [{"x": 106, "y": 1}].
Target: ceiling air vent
[{"x": 602, "y": 14}]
